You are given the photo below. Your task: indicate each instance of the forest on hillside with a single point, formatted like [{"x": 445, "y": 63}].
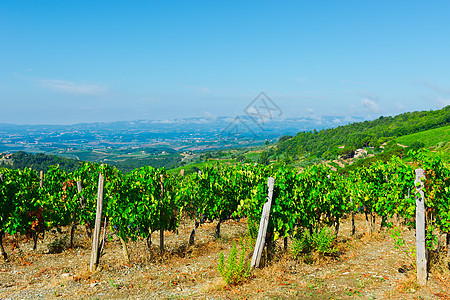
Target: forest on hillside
[
  {"x": 40, "y": 161},
  {"x": 344, "y": 140}
]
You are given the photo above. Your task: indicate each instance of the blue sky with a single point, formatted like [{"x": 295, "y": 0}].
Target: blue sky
[{"x": 66, "y": 62}]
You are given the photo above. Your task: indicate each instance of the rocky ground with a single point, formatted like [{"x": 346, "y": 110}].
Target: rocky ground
[{"x": 365, "y": 267}]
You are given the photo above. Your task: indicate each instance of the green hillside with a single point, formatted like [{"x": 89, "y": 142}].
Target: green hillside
[
  {"x": 344, "y": 140},
  {"x": 430, "y": 137},
  {"x": 435, "y": 139}
]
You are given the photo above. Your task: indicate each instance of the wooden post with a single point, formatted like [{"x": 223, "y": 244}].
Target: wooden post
[
  {"x": 182, "y": 172},
  {"x": 421, "y": 251},
  {"x": 98, "y": 219},
  {"x": 1, "y": 177},
  {"x": 41, "y": 179},
  {"x": 161, "y": 229},
  {"x": 256, "y": 259}
]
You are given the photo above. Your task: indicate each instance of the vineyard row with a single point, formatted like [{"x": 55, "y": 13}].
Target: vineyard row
[{"x": 147, "y": 199}]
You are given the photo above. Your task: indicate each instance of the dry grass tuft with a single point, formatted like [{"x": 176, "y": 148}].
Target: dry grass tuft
[
  {"x": 216, "y": 285},
  {"x": 440, "y": 263},
  {"x": 408, "y": 284}
]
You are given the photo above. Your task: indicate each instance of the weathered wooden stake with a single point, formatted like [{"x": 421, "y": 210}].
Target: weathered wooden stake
[
  {"x": 161, "y": 230},
  {"x": 98, "y": 219},
  {"x": 421, "y": 254},
  {"x": 256, "y": 259},
  {"x": 41, "y": 179}
]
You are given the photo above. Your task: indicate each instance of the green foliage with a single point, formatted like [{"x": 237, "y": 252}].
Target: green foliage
[
  {"x": 429, "y": 138},
  {"x": 19, "y": 200},
  {"x": 164, "y": 161},
  {"x": 253, "y": 228},
  {"x": 436, "y": 188},
  {"x": 346, "y": 152},
  {"x": 236, "y": 269},
  {"x": 416, "y": 145},
  {"x": 301, "y": 244},
  {"x": 401, "y": 245},
  {"x": 321, "y": 241},
  {"x": 240, "y": 158},
  {"x": 264, "y": 157}
]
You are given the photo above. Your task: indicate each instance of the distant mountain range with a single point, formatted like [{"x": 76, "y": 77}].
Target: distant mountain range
[{"x": 172, "y": 133}]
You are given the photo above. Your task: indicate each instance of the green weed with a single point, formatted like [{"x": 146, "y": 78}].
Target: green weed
[{"x": 236, "y": 269}]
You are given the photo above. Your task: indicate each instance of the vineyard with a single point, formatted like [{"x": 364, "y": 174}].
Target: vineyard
[{"x": 149, "y": 202}]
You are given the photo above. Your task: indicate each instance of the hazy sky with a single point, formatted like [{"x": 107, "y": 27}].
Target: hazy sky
[{"x": 65, "y": 62}]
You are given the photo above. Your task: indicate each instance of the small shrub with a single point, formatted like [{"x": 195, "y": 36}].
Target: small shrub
[
  {"x": 301, "y": 244},
  {"x": 236, "y": 269},
  {"x": 253, "y": 228},
  {"x": 308, "y": 259},
  {"x": 400, "y": 244},
  {"x": 321, "y": 241}
]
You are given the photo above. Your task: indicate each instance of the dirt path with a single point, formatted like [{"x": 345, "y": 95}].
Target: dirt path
[{"x": 367, "y": 268}]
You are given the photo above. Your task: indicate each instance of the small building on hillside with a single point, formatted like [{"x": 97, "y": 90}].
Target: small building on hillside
[{"x": 360, "y": 153}]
